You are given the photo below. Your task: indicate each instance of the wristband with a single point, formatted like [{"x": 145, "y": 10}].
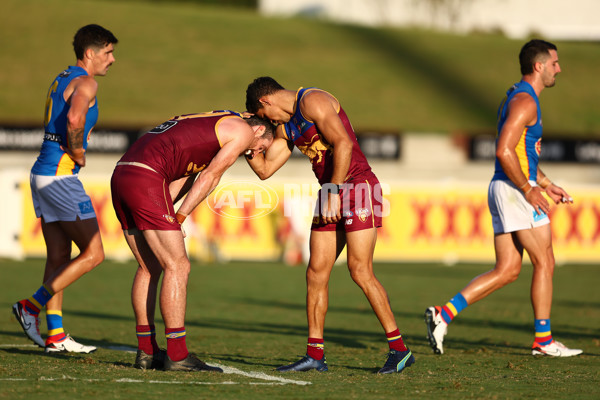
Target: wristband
[
  {"x": 544, "y": 180},
  {"x": 180, "y": 218},
  {"x": 523, "y": 185}
]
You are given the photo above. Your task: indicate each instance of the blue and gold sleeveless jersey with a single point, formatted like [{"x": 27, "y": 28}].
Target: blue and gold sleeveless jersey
[
  {"x": 530, "y": 144},
  {"x": 52, "y": 160}
]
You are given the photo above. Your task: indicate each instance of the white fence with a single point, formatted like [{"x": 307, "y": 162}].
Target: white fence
[{"x": 518, "y": 19}]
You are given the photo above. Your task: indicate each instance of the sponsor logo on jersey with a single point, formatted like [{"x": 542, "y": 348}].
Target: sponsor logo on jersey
[
  {"x": 348, "y": 214},
  {"x": 169, "y": 218},
  {"x": 349, "y": 221},
  {"x": 86, "y": 207},
  {"x": 362, "y": 214}
]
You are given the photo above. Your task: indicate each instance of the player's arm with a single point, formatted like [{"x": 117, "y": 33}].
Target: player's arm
[
  {"x": 556, "y": 193},
  {"x": 320, "y": 107},
  {"x": 522, "y": 111},
  {"x": 82, "y": 96},
  {"x": 267, "y": 163},
  {"x": 236, "y": 141}
]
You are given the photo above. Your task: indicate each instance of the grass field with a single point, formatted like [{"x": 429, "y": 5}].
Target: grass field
[
  {"x": 175, "y": 58},
  {"x": 249, "y": 318}
]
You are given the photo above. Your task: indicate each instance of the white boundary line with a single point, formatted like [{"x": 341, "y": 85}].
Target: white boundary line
[{"x": 272, "y": 380}]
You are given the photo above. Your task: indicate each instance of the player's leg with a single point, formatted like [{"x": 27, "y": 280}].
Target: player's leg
[
  {"x": 143, "y": 300},
  {"x": 509, "y": 256},
  {"x": 58, "y": 251},
  {"x": 58, "y": 254},
  {"x": 86, "y": 235},
  {"x": 538, "y": 244},
  {"x": 169, "y": 248},
  {"x": 360, "y": 247},
  {"x": 325, "y": 247}
]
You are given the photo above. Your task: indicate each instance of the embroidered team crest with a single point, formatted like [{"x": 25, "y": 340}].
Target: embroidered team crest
[
  {"x": 169, "y": 218},
  {"x": 538, "y": 146},
  {"x": 362, "y": 214}
]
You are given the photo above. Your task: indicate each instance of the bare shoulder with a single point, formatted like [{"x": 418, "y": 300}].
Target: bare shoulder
[
  {"x": 523, "y": 106},
  {"x": 318, "y": 101},
  {"x": 84, "y": 85},
  {"x": 234, "y": 128}
]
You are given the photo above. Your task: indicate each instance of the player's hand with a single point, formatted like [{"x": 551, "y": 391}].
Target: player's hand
[
  {"x": 183, "y": 232},
  {"x": 558, "y": 194},
  {"x": 330, "y": 212},
  {"x": 77, "y": 155},
  {"x": 537, "y": 200}
]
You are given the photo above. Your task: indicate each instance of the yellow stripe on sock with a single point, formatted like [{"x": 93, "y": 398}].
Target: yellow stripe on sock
[
  {"x": 542, "y": 334},
  {"x": 56, "y": 331},
  {"x": 48, "y": 289},
  {"x": 452, "y": 308},
  {"x": 35, "y": 302},
  {"x": 54, "y": 312}
]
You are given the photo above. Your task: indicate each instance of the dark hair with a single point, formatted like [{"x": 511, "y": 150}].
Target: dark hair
[
  {"x": 262, "y": 86},
  {"x": 91, "y": 36},
  {"x": 534, "y": 51},
  {"x": 269, "y": 127}
]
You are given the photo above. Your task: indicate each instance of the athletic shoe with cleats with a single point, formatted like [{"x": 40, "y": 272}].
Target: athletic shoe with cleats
[
  {"x": 397, "y": 361},
  {"x": 29, "y": 322},
  {"x": 305, "y": 364},
  {"x": 554, "y": 349},
  {"x": 150, "y": 361},
  {"x": 190, "y": 363},
  {"x": 436, "y": 329},
  {"x": 68, "y": 345}
]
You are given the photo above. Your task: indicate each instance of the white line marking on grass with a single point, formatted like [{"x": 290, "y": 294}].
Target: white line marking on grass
[
  {"x": 272, "y": 380},
  {"x": 261, "y": 375}
]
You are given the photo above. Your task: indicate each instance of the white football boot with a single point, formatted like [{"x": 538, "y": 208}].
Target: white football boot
[
  {"x": 29, "y": 322},
  {"x": 68, "y": 345},
  {"x": 554, "y": 349},
  {"x": 436, "y": 329}
]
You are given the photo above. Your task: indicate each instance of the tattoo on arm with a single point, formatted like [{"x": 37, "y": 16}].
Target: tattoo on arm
[{"x": 75, "y": 138}]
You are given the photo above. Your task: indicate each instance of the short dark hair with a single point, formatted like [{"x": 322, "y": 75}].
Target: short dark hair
[
  {"x": 91, "y": 36},
  {"x": 262, "y": 86},
  {"x": 532, "y": 52},
  {"x": 269, "y": 127}
]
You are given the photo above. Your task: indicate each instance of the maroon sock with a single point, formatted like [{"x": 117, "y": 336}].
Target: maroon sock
[
  {"x": 315, "y": 348},
  {"x": 395, "y": 341},
  {"x": 176, "y": 346},
  {"x": 146, "y": 336}
]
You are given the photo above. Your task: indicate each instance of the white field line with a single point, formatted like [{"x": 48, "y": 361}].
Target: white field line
[{"x": 271, "y": 380}]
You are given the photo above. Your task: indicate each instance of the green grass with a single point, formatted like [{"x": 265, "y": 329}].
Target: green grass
[
  {"x": 176, "y": 58},
  {"x": 251, "y": 317}
]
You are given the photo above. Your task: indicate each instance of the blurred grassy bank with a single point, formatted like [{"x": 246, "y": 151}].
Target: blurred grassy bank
[{"x": 176, "y": 58}]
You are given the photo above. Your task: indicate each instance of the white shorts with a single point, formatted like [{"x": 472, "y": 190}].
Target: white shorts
[
  {"x": 60, "y": 198},
  {"x": 510, "y": 211}
]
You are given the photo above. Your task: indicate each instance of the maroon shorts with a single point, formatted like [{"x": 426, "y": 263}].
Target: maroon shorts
[
  {"x": 361, "y": 208},
  {"x": 142, "y": 200}
]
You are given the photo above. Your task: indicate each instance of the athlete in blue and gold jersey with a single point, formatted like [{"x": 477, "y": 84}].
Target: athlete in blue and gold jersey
[
  {"x": 59, "y": 199},
  {"x": 54, "y": 159},
  {"x": 519, "y": 210}
]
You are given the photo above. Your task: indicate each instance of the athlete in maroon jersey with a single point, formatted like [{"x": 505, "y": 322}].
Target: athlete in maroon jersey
[
  {"x": 159, "y": 169},
  {"x": 349, "y": 206}
]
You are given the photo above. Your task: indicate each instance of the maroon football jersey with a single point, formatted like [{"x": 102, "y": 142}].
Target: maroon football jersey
[{"x": 181, "y": 146}]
